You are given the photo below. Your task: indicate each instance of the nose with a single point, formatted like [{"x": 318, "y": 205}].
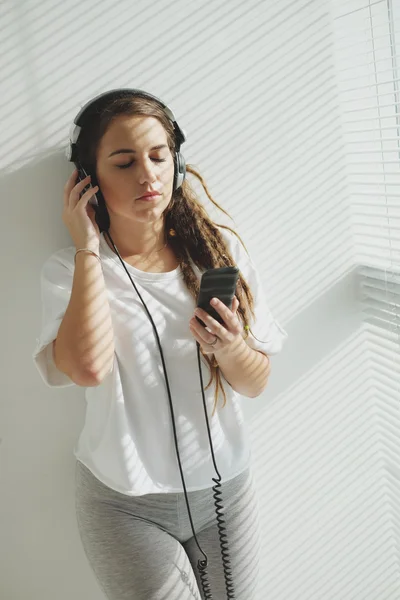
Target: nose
[{"x": 147, "y": 171}]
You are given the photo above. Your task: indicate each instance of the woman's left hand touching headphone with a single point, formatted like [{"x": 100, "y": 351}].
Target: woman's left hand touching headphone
[{"x": 215, "y": 337}]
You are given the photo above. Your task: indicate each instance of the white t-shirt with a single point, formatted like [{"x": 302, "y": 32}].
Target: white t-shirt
[{"x": 127, "y": 440}]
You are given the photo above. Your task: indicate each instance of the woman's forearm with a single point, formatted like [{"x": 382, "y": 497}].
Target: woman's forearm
[
  {"x": 245, "y": 369},
  {"x": 84, "y": 348}
]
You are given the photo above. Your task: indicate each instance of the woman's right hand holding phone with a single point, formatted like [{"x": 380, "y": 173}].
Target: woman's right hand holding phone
[{"x": 78, "y": 215}]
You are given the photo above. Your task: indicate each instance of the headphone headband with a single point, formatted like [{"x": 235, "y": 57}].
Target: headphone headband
[{"x": 77, "y": 124}]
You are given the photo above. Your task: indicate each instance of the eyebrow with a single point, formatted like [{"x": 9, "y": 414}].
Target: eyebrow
[{"x": 129, "y": 150}]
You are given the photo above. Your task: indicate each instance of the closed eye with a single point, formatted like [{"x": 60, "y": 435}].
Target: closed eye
[{"x": 159, "y": 160}]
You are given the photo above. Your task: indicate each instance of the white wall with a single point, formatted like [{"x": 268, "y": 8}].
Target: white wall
[{"x": 253, "y": 85}]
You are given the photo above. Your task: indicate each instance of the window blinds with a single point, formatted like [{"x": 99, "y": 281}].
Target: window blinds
[{"x": 367, "y": 53}]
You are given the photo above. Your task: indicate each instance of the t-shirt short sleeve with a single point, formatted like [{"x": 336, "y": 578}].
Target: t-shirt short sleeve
[
  {"x": 56, "y": 285},
  {"x": 266, "y": 335}
]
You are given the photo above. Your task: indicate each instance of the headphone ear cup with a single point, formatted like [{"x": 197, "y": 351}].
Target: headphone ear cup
[{"x": 180, "y": 170}]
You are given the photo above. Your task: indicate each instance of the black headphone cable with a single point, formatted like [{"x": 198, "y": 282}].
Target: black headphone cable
[{"x": 202, "y": 563}]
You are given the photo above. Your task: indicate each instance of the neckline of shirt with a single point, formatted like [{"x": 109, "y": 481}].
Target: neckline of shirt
[{"x": 137, "y": 273}]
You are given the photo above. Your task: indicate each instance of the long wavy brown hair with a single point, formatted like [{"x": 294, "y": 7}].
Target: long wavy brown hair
[{"x": 190, "y": 230}]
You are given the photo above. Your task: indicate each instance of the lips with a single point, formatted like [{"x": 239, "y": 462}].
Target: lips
[{"x": 148, "y": 195}]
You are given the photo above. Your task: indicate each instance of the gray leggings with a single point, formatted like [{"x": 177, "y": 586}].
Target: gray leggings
[{"x": 142, "y": 547}]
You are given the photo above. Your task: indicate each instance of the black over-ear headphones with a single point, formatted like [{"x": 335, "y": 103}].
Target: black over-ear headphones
[
  {"x": 103, "y": 221},
  {"x": 93, "y": 106}
]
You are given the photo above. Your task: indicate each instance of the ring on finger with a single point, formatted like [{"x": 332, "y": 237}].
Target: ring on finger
[{"x": 214, "y": 342}]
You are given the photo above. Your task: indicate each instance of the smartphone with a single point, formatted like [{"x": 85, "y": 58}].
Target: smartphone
[
  {"x": 82, "y": 174},
  {"x": 217, "y": 283}
]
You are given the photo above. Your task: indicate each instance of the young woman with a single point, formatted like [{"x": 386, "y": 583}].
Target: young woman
[{"x": 131, "y": 508}]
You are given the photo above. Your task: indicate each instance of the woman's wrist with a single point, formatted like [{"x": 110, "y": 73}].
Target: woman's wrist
[{"x": 89, "y": 244}]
